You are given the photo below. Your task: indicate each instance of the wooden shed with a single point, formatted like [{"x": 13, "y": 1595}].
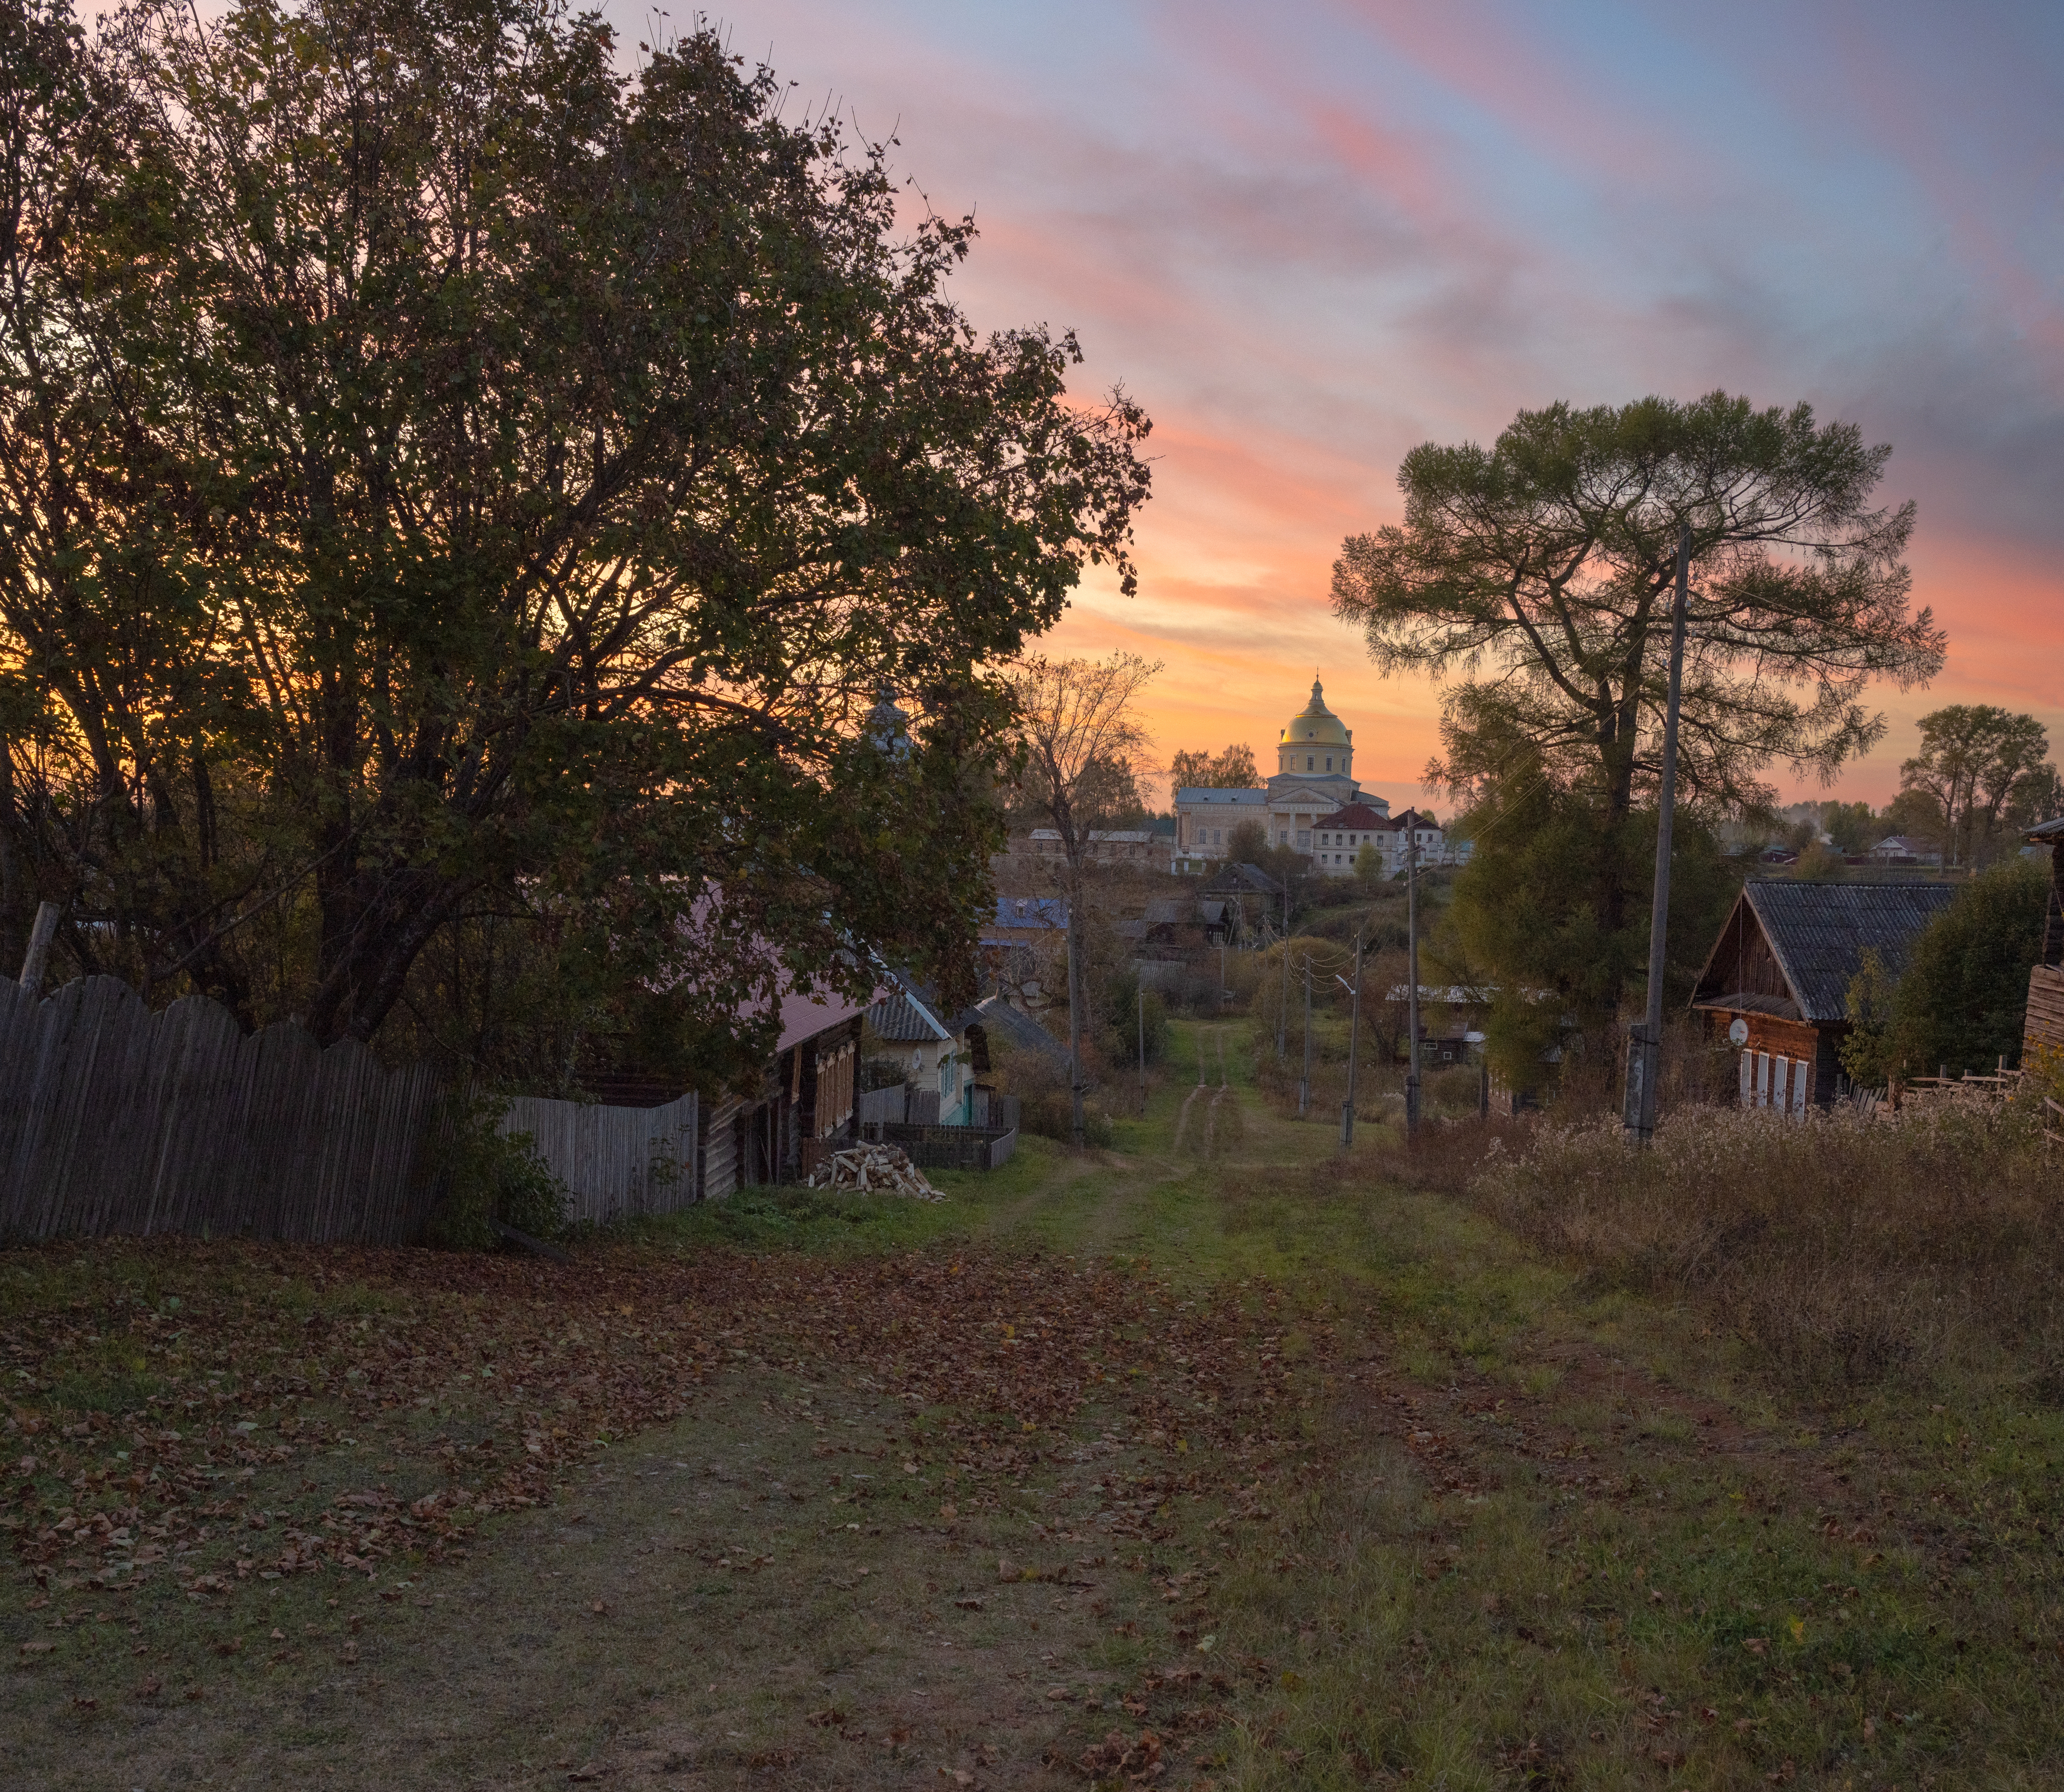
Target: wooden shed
[{"x": 1776, "y": 982}]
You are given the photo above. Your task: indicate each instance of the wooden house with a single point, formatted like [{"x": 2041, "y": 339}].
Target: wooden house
[
  {"x": 941, "y": 1052},
  {"x": 1776, "y": 982}
]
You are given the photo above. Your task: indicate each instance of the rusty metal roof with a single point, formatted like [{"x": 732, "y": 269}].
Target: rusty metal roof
[{"x": 1820, "y": 932}]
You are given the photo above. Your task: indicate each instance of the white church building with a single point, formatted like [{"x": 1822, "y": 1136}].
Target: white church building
[{"x": 1311, "y": 805}]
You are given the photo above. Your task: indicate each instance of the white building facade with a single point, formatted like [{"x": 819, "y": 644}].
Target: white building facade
[{"x": 1311, "y": 805}]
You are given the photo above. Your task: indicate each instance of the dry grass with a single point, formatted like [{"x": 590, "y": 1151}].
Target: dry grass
[{"x": 1841, "y": 1251}]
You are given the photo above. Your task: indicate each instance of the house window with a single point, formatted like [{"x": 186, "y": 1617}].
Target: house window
[
  {"x": 1308, "y": 762},
  {"x": 1329, "y": 762}
]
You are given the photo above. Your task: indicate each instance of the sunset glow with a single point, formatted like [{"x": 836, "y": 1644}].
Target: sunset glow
[{"x": 1309, "y": 237}]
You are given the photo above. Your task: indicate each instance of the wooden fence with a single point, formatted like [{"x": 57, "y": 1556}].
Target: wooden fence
[
  {"x": 951, "y": 1147},
  {"x": 114, "y": 1119},
  {"x": 2045, "y": 1024},
  {"x": 614, "y": 1162}
]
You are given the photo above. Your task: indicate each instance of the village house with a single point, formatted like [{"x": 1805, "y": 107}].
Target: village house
[
  {"x": 1024, "y": 949},
  {"x": 936, "y": 1055},
  {"x": 806, "y": 1092},
  {"x": 1898, "y": 849},
  {"x": 1105, "y": 846},
  {"x": 1338, "y": 838},
  {"x": 1775, "y": 983}
]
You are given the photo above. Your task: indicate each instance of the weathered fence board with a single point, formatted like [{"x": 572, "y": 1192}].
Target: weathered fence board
[
  {"x": 614, "y": 1162},
  {"x": 114, "y": 1119},
  {"x": 879, "y": 1104}
]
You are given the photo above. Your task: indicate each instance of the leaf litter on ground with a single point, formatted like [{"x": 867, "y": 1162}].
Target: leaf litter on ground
[{"x": 153, "y": 1432}]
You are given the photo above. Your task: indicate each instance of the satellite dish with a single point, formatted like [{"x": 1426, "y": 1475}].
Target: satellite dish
[{"x": 1739, "y": 1033}]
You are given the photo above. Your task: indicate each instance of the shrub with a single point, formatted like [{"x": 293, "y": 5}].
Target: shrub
[
  {"x": 1963, "y": 992},
  {"x": 490, "y": 1175},
  {"x": 1040, "y": 1082}
]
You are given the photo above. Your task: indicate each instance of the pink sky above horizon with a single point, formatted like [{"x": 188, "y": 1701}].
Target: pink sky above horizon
[{"x": 1308, "y": 239}]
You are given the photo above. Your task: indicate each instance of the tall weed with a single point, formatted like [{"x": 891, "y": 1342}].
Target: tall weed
[{"x": 1841, "y": 1250}]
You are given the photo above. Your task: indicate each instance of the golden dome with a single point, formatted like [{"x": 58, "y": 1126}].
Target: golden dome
[{"x": 1315, "y": 723}]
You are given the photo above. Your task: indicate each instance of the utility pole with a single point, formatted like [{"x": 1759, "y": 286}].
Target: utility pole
[
  {"x": 1283, "y": 1016},
  {"x": 1645, "y": 1044},
  {"x": 1305, "y": 1088},
  {"x": 1411, "y": 970},
  {"x": 1354, "y": 1041},
  {"x": 1140, "y": 993}
]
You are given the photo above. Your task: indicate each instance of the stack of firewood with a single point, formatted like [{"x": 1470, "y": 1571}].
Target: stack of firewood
[{"x": 874, "y": 1169}]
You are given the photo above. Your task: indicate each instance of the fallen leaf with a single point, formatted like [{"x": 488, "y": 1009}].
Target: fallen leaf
[{"x": 38, "y": 1649}]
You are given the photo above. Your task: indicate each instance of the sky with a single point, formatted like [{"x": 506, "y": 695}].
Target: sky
[{"x": 1309, "y": 236}]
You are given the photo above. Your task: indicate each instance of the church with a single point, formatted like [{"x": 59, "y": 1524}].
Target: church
[{"x": 1311, "y": 805}]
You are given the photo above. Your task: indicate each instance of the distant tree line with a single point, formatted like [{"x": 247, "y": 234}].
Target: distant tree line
[{"x": 1981, "y": 777}]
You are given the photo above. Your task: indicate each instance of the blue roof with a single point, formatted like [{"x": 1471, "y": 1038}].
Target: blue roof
[
  {"x": 1032, "y": 912},
  {"x": 1207, "y": 793}
]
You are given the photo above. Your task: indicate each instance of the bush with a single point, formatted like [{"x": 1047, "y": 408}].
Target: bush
[
  {"x": 1122, "y": 1034},
  {"x": 490, "y": 1176},
  {"x": 1963, "y": 995},
  {"x": 1454, "y": 1088},
  {"x": 1839, "y": 1250},
  {"x": 1040, "y": 1082}
]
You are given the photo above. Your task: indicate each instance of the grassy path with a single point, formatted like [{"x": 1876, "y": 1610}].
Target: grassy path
[{"x": 1334, "y": 1484}]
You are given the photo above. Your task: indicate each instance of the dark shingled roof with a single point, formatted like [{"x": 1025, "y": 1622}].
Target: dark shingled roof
[
  {"x": 899, "y": 1020},
  {"x": 1242, "y": 880},
  {"x": 1003, "y": 1021},
  {"x": 1820, "y": 932},
  {"x": 2046, "y": 833}
]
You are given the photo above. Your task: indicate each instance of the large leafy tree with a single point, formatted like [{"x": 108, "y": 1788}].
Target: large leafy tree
[
  {"x": 1540, "y": 570},
  {"x": 1980, "y": 766},
  {"x": 1535, "y": 575},
  {"x": 441, "y": 476},
  {"x": 1199, "y": 768}
]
